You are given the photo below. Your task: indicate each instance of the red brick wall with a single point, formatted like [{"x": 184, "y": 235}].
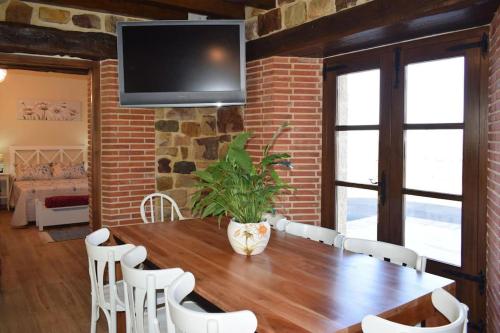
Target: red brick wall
[
  {"x": 128, "y": 153},
  {"x": 493, "y": 212},
  {"x": 289, "y": 89}
]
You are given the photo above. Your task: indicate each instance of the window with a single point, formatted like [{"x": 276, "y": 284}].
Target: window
[{"x": 403, "y": 145}]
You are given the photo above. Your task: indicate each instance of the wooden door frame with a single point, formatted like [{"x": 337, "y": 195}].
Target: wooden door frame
[
  {"x": 357, "y": 62},
  {"x": 73, "y": 66},
  {"x": 469, "y": 40}
]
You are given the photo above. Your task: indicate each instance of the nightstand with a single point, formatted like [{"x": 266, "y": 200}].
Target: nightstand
[{"x": 5, "y": 188}]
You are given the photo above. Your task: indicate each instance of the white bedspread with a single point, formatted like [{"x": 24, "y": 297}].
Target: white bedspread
[{"x": 25, "y": 192}]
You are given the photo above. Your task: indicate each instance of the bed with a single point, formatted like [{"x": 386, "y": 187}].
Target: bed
[{"x": 26, "y": 192}]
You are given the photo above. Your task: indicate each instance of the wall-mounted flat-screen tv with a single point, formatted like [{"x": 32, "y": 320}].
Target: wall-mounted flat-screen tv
[{"x": 181, "y": 63}]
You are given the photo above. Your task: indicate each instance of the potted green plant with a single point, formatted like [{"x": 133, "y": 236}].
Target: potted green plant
[{"x": 242, "y": 190}]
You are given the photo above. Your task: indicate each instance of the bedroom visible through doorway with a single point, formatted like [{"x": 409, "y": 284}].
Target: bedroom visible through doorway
[{"x": 45, "y": 124}]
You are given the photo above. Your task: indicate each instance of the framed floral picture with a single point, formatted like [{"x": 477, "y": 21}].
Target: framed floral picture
[{"x": 49, "y": 110}]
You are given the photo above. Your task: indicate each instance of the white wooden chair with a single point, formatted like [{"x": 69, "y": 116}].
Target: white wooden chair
[
  {"x": 449, "y": 306},
  {"x": 154, "y": 205},
  {"x": 141, "y": 288},
  {"x": 188, "y": 321},
  {"x": 281, "y": 224},
  {"x": 272, "y": 218},
  {"x": 315, "y": 233},
  {"x": 396, "y": 254},
  {"x": 108, "y": 297}
]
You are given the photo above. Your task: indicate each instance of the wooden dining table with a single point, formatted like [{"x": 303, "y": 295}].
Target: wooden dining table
[{"x": 295, "y": 285}]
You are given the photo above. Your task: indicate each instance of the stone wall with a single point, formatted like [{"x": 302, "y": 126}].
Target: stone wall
[
  {"x": 63, "y": 18},
  {"x": 289, "y": 89},
  {"x": 291, "y": 13},
  {"x": 189, "y": 139},
  {"x": 493, "y": 183},
  {"x": 148, "y": 150}
]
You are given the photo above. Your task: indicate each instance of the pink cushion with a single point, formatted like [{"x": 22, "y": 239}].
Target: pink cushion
[{"x": 66, "y": 201}]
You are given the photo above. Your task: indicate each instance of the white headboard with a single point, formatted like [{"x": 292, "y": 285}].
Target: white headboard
[{"x": 30, "y": 155}]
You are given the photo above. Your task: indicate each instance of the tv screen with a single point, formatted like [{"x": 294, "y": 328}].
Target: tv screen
[{"x": 181, "y": 63}]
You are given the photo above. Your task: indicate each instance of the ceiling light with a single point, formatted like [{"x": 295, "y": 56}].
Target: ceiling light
[{"x": 3, "y": 74}]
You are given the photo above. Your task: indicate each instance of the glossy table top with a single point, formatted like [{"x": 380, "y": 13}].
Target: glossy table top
[{"x": 295, "y": 285}]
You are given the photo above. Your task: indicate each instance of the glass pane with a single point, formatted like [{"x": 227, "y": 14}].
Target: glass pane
[
  {"x": 357, "y": 156},
  {"x": 433, "y": 228},
  {"x": 435, "y": 91},
  {"x": 357, "y": 212},
  {"x": 434, "y": 160},
  {"x": 358, "y": 96}
]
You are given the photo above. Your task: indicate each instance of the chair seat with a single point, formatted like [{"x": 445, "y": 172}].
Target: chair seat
[{"x": 161, "y": 314}]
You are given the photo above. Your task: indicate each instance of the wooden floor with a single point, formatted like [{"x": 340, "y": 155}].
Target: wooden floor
[{"x": 44, "y": 287}]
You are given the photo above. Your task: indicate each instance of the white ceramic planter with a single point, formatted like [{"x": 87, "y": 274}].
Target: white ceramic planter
[{"x": 248, "y": 238}]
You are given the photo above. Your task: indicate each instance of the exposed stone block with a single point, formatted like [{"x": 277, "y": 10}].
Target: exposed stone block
[
  {"x": 201, "y": 165},
  {"x": 167, "y": 125},
  {"x": 269, "y": 22},
  {"x": 179, "y": 195},
  {"x": 170, "y": 151},
  {"x": 207, "y": 148},
  {"x": 181, "y": 114},
  {"x": 223, "y": 147},
  {"x": 159, "y": 114},
  {"x": 343, "y": 4},
  {"x": 164, "y": 183},
  {"x": 225, "y": 138},
  {"x": 295, "y": 14},
  {"x": 318, "y": 8},
  {"x": 191, "y": 129},
  {"x": 182, "y": 140},
  {"x": 184, "y": 167},
  {"x": 18, "y": 12},
  {"x": 54, "y": 15},
  {"x": 163, "y": 139},
  {"x": 207, "y": 111},
  {"x": 164, "y": 165},
  {"x": 284, "y": 2},
  {"x": 185, "y": 181},
  {"x": 110, "y": 22},
  {"x": 251, "y": 12},
  {"x": 184, "y": 152},
  {"x": 89, "y": 21},
  {"x": 208, "y": 125},
  {"x": 251, "y": 31},
  {"x": 229, "y": 119}
]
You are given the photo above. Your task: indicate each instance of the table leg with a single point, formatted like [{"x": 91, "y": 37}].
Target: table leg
[{"x": 121, "y": 326}]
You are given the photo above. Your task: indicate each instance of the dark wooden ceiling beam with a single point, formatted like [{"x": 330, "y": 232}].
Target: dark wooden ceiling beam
[
  {"x": 23, "y": 38},
  {"x": 134, "y": 8},
  {"x": 262, "y": 4},
  {"x": 373, "y": 24},
  {"x": 213, "y": 8}
]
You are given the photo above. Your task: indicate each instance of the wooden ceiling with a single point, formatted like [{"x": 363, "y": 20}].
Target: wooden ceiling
[{"x": 166, "y": 9}]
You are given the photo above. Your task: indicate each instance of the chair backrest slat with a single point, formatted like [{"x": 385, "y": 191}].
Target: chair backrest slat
[
  {"x": 396, "y": 254},
  {"x": 160, "y": 198},
  {"x": 151, "y": 210},
  {"x": 140, "y": 290},
  {"x": 188, "y": 321},
  {"x": 162, "y": 215},
  {"x": 315, "y": 233}
]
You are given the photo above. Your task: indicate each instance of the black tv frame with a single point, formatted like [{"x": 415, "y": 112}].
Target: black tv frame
[{"x": 188, "y": 98}]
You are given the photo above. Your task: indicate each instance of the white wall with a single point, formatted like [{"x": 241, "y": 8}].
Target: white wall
[{"x": 21, "y": 84}]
